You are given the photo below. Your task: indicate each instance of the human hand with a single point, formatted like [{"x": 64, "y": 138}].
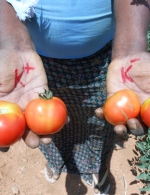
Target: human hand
[
  {"x": 132, "y": 73},
  {"x": 22, "y": 77}
]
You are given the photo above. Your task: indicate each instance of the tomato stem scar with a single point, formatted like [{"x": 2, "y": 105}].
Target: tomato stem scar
[{"x": 135, "y": 60}]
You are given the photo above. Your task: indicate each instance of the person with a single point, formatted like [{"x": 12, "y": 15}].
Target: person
[{"x": 66, "y": 46}]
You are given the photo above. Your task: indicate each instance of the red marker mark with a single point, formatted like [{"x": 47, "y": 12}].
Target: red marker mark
[
  {"x": 22, "y": 84},
  {"x": 17, "y": 78},
  {"x": 124, "y": 74},
  {"x": 28, "y": 68},
  {"x": 135, "y": 60}
]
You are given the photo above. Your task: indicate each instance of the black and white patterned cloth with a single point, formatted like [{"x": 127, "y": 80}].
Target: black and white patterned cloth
[{"x": 83, "y": 145}]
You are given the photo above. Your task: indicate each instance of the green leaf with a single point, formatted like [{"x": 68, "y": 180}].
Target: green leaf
[
  {"x": 143, "y": 166},
  {"x": 140, "y": 146},
  {"x": 148, "y": 138},
  {"x": 146, "y": 189},
  {"x": 142, "y": 159},
  {"x": 144, "y": 143},
  {"x": 147, "y": 155},
  {"x": 142, "y": 176},
  {"x": 148, "y": 131}
]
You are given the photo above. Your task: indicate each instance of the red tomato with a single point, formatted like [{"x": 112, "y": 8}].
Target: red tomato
[
  {"x": 145, "y": 112},
  {"x": 46, "y": 115},
  {"x": 12, "y": 123},
  {"x": 121, "y": 106}
]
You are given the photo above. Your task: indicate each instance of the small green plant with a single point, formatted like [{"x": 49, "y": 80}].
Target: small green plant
[
  {"x": 140, "y": 164},
  {"x": 143, "y": 161}
]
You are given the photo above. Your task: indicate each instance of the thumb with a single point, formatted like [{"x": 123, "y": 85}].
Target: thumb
[
  {"x": 136, "y": 127},
  {"x": 99, "y": 113}
]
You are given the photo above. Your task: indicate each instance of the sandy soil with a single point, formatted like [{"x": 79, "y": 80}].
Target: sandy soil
[{"x": 21, "y": 172}]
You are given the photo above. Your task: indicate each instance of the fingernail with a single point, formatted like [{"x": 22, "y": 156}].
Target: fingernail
[
  {"x": 99, "y": 114},
  {"x": 132, "y": 126},
  {"x": 137, "y": 132}
]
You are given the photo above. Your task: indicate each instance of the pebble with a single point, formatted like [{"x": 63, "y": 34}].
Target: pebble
[
  {"x": 1, "y": 175},
  {"x": 15, "y": 190},
  {"x": 25, "y": 160}
]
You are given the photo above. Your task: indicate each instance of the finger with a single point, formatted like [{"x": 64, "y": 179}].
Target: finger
[
  {"x": 31, "y": 139},
  {"x": 46, "y": 139},
  {"x": 4, "y": 149},
  {"x": 136, "y": 127},
  {"x": 99, "y": 113},
  {"x": 121, "y": 130}
]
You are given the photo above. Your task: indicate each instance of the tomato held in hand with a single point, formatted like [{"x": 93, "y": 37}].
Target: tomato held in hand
[
  {"x": 46, "y": 115},
  {"x": 121, "y": 106},
  {"x": 12, "y": 123},
  {"x": 145, "y": 112}
]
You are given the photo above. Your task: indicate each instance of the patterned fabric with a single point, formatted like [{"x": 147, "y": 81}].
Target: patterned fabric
[{"x": 83, "y": 145}]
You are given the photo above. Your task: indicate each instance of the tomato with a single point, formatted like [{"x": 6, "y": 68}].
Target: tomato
[
  {"x": 145, "y": 112},
  {"x": 12, "y": 123},
  {"x": 46, "y": 115},
  {"x": 121, "y": 106}
]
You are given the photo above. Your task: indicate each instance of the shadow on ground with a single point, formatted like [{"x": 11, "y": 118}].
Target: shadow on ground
[{"x": 74, "y": 185}]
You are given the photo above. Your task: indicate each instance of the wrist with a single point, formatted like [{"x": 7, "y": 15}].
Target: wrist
[
  {"x": 124, "y": 49},
  {"x": 20, "y": 40},
  {"x": 13, "y": 33}
]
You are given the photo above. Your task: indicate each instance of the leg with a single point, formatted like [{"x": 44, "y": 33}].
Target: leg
[{"x": 81, "y": 146}]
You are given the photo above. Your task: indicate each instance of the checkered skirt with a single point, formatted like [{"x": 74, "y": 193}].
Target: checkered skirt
[{"x": 83, "y": 145}]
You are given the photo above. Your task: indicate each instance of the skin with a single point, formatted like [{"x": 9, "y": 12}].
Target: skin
[
  {"x": 130, "y": 42},
  {"x": 17, "y": 49},
  {"x": 132, "y": 21}
]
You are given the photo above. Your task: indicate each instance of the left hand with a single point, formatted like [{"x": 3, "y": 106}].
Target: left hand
[
  {"x": 130, "y": 72},
  {"x": 22, "y": 86}
]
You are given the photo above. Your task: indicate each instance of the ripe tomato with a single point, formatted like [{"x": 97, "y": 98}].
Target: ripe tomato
[
  {"x": 145, "y": 112},
  {"x": 46, "y": 115},
  {"x": 121, "y": 106},
  {"x": 12, "y": 123}
]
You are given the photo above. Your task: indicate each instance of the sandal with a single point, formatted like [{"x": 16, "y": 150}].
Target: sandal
[
  {"x": 49, "y": 173},
  {"x": 102, "y": 187}
]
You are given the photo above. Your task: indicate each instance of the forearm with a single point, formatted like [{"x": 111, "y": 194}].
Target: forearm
[
  {"x": 13, "y": 33},
  {"x": 132, "y": 22}
]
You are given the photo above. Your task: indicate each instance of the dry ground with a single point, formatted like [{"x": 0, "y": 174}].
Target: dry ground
[{"x": 21, "y": 172}]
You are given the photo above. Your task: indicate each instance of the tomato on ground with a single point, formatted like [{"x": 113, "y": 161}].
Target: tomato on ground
[
  {"x": 121, "y": 106},
  {"x": 12, "y": 123},
  {"x": 145, "y": 112},
  {"x": 46, "y": 115}
]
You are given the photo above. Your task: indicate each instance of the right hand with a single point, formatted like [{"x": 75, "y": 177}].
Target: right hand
[
  {"x": 133, "y": 126},
  {"x": 140, "y": 75}
]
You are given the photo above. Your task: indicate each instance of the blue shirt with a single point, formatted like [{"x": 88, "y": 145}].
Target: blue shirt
[{"x": 71, "y": 28}]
